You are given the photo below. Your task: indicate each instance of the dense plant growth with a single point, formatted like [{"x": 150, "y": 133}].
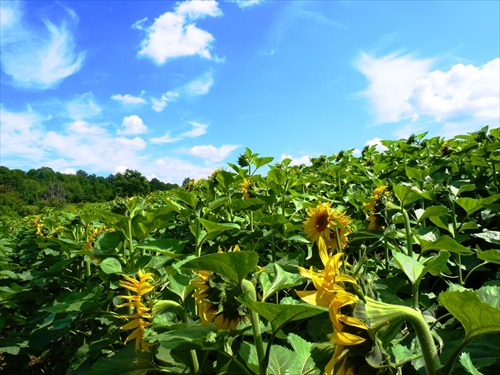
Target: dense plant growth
[{"x": 386, "y": 263}]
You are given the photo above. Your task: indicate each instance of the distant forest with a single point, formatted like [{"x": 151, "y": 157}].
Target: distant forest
[{"x": 24, "y": 193}]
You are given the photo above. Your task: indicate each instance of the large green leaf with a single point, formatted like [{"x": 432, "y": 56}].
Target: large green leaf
[
  {"x": 111, "y": 265},
  {"x": 125, "y": 361},
  {"x": 478, "y": 311},
  {"x": 492, "y": 256},
  {"x": 432, "y": 211},
  {"x": 471, "y": 205},
  {"x": 189, "y": 336},
  {"x": 213, "y": 227},
  {"x": 449, "y": 244},
  {"x": 416, "y": 269},
  {"x": 302, "y": 350},
  {"x": 278, "y": 315},
  {"x": 167, "y": 246},
  {"x": 282, "y": 280},
  {"x": 235, "y": 265}
]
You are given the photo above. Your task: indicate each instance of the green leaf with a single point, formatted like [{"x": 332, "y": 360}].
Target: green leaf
[
  {"x": 282, "y": 280},
  {"x": 477, "y": 316},
  {"x": 405, "y": 194},
  {"x": 260, "y": 162},
  {"x": 467, "y": 363},
  {"x": 191, "y": 337},
  {"x": 187, "y": 197},
  {"x": 449, "y": 244},
  {"x": 415, "y": 173},
  {"x": 433, "y": 211},
  {"x": 492, "y": 256},
  {"x": 124, "y": 361},
  {"x": 247, "y": 204},
  {"x": 490, "y": 236},
  {"x": 212, "y": 227},
  {"x": 416, "y": 270},
  {"x": 278, "y": 315},
  {"x": 302, "y": 350},
  {"x": 167, "y": 246},
  {"x": 235, "y": 265},
  {"x": 471, "y": 205},
  {"x": 111, "y": 265},
  {"x": 276, "y": 175}
]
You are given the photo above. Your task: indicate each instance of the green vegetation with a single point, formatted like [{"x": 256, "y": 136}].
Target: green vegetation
[
  {"x": 386, "y": 263},
  {"x": 28, "y": 193}
]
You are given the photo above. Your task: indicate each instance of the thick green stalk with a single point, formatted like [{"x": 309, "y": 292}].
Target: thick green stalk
[
  {"x": 409, "y": 235},
  {"x": 247, "y": 286},
  {"x": 381, "y": 314}
]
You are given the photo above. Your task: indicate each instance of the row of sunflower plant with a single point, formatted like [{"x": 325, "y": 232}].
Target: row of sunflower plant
[{"x": 382, "y": 263}]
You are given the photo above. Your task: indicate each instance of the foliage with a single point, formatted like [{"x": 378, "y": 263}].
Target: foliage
[{"x": 419, "y": 273}]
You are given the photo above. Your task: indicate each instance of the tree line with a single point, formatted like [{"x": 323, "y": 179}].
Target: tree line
[{"x": 23, "y": 193}]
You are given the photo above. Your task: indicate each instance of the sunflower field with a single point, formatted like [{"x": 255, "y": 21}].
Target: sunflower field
[{"x": 382, "y": 263}]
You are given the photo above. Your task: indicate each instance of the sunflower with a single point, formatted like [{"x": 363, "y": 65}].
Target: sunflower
[
  {"x": 328, "y": 228},
  {"x": 140, "y": 317},
  {"x": 215, "y": 298},
  {"x": 375, "y": 207},
  {"x": 246, "y": 187},
  {"x": 330, "y": 292}
]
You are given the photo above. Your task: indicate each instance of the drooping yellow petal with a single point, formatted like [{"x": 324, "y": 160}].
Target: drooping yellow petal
[{"x": 346, "y": 339}]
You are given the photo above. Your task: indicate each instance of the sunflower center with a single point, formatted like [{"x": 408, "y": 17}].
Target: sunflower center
[{"x": 322, "y": 222}]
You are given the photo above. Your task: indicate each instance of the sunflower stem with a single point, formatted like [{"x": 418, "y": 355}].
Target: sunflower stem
[
  {"x": 409, "y": 236},
  {"x": 247, "y": 286}
]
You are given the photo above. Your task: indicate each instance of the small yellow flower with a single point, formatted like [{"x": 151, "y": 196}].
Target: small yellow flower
[
  {"x": 324, "y": 225},
  {"x": 375, "y": 219},
  {"x": 140, "y": 318},
  {"x": 246, "y": 187}
]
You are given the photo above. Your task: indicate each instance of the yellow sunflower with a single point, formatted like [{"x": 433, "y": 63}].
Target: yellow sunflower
[
  {"x": 140, "y": 317},
  {"x": 246, "y": 187},
  {"x": 328, "y": 228},
  {"x": 375, "y": 207},
  {"x": 215, "y": 298},
  {"x": 330, "y": 292}
]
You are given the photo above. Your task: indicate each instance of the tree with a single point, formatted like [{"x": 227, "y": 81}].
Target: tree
[{"x": 130, "y": 183}]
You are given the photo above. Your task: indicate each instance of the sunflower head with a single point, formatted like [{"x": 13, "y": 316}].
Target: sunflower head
[
  {"x": 215, "y": 298},
  {"x": 327, "y": 228}
]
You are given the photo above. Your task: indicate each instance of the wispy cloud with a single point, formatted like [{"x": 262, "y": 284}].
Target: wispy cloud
[
  {"x": 402, "y": 87},
  {"x": 167, "y": 138},
  {"x": 211, "y": 153},
  {"x": 34, "y": 59},
  {"x": 132, "y": 125},
  {"x": 83, "y": 107},
  {"x": 199, "y": 86},
  {"x": 197, "y": 130},
  {"x": 246, "y": 3},
  {"x": 174, "y": 34},
  {"x": 128, "y": 99}
]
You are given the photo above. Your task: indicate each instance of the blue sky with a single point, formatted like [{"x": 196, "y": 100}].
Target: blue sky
[{"x": 177, "y": 89}]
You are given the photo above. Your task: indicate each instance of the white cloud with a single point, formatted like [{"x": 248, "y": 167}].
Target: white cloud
[
  {"x": 84, "y": 128},
  {"x": 164, "y": 139},
  {"x": 198, "y": 9},
  {"x": 35, "y": 59},
  {"x": 392, "y": 79},
  {"x": 212, "y": 153},
  {"x": 306, "y": 159},
  {"x": 128, "y": 99},
  {"x": 247, "y": 3},
  {"x": 136, "y": 143},
  {"x": 173, "y": 34},
  {"x": 132, "y": 125},
  {"x": 83, "y": 107},
  {"x": 20, "y": 134},
  {"x": 200, "y": 85},
  {"x": 159, "y": 105},
  {"x": 463, "y": 91},
  {"x": 197, "y": 130},
  {"x": 175, "y": 170},
  {"x": 405, "y": 88},
  {"x": 377, "y": 143}
]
